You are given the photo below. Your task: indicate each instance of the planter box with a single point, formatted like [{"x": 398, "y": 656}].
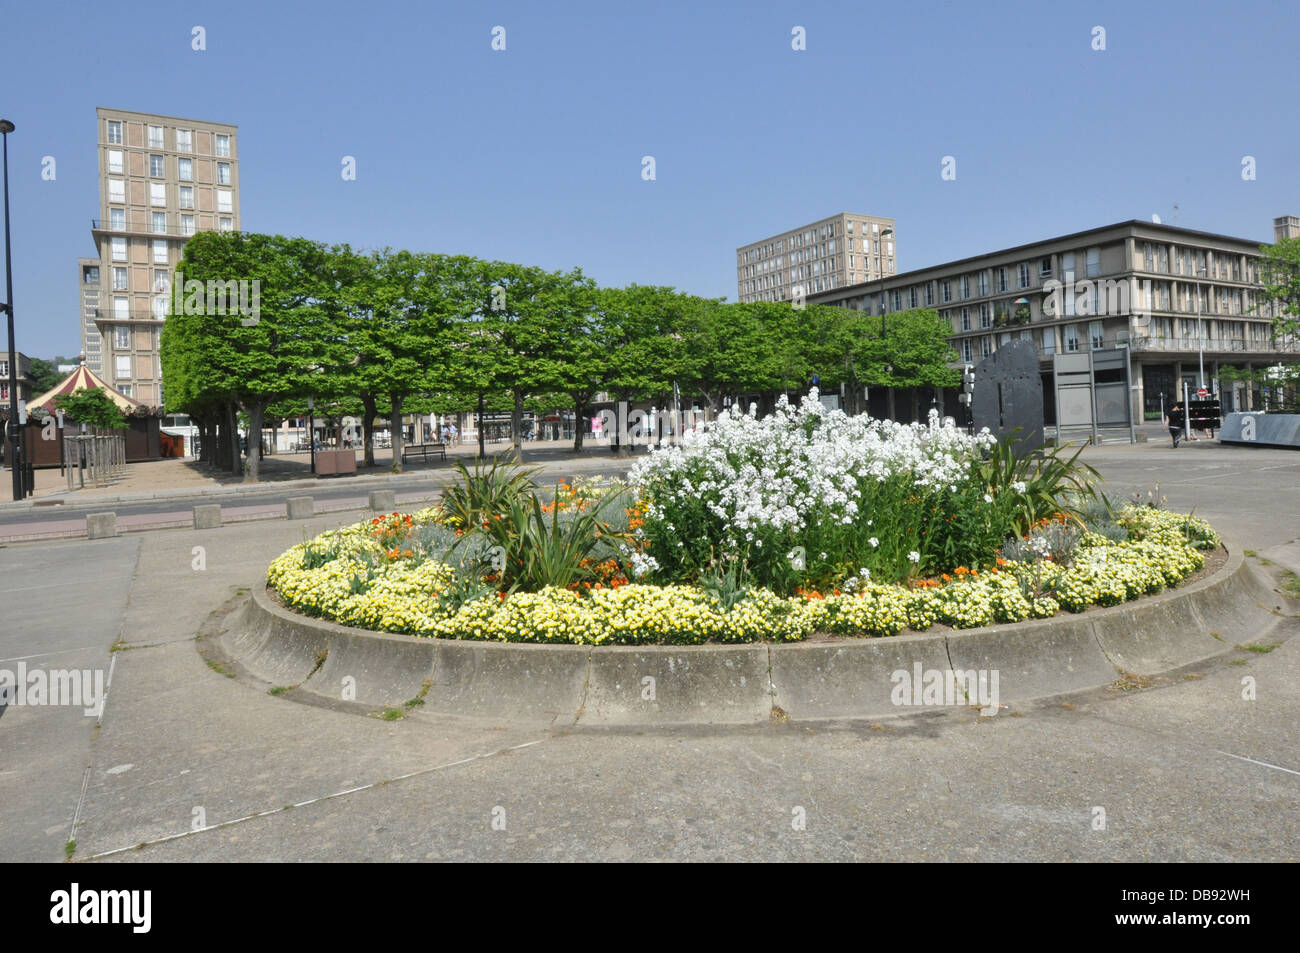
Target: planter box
[{"x": 335, "y": 462}]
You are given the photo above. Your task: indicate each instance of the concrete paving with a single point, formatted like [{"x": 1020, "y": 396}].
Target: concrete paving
[{"x": 186, "y": 764}]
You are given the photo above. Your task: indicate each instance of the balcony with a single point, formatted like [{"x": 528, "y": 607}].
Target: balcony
[
  {"x": 174, "y": 228},
  {"x": 131, "y": 316},
  {"x": 1195, "y": 343}
]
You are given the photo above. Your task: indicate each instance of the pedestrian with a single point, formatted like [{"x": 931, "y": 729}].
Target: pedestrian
[
  {"x": 451, "y": 432},
  {"x": 1175, "y": 420}
]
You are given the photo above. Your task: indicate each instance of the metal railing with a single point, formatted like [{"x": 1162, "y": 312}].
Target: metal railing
[
  {"x": 1196, "y": 343},
  {"x": 100, "y": 455}
]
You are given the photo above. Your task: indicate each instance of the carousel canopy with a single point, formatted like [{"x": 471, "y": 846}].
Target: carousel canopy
[{"x": 83, "y": 378}]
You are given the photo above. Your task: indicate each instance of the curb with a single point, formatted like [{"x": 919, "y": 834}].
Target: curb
[{"x": 567, "y": 685}]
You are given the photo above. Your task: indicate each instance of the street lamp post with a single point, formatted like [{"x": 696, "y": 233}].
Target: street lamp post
[
  {"x": 889, "y": 368},
  {"x": 16, "y": 464}
]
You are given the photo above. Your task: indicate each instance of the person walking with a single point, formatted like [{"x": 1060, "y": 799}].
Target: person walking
[{"x": 1175, "y": 420}]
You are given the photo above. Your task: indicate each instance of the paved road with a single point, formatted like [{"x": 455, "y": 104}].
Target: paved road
[
  {"x": 259, "y": 502},
  {"x": 196, "y": 766}
]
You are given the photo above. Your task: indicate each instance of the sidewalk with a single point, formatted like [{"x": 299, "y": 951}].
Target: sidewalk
[{"x": 187, "y": 478}]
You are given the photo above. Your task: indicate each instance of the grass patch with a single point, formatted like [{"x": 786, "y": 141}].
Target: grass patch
[
  {"x": 1265, "y": 562},
  {"x": 69, "y": 849},
  {"x": 219, "y": 668},
  {"x": 277, "y": 689},
  {"x": 1263, "y": 649},
  {"x": 1237, "y": 661},
  {"x": 392, "y": 714},
  {"x": 1249, "y": 552},
  {"x": 1129, "y": 682},
  {"x": 1216, "y": 635},
  {"x": 1291, "y": 583}
]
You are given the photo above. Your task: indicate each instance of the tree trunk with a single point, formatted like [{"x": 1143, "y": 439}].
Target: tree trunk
[
  {"x": 482, "y": 452},
  {"x": 368, "y": 429},
  {"x": 395, "y": 425},
  {"x": 622, "y": 448},
  {"x": 890, "y": 393},
  {"x": 236, "y": 460},
  {"x": 579, "y": 424},
  {"x": 255, "y": 410},
  {"x": 517, "y": 425}
]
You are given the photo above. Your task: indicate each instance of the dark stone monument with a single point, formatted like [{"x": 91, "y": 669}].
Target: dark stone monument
[{"x": 1009, "y": 395}]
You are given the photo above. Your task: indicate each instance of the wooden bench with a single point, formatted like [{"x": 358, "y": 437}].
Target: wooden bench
[{"x": 423, "y": 450}]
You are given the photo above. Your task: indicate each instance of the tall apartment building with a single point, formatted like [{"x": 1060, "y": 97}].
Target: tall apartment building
[
  {"x": 161, "y": 180},
  {"x": 844, "y": 249},
  {"x": 1172, "y": 296}
]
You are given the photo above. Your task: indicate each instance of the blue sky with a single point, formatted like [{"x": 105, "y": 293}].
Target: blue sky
[{"x": 534, "y": 154}]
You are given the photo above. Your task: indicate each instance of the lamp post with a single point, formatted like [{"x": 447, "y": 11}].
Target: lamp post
[
  {"x": 16, "y": 464},
  {"x": 311, "y": 428},
  {"x": 1200, "y": 323}
]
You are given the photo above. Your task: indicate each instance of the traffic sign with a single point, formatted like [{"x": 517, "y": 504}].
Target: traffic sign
[{"x": 1202, "y": 392}]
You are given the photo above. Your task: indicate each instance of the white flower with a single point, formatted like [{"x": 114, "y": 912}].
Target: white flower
[
  {"x": 914, "y": 556},
  {"x": 1018, "y": 486},
  {"x": 987, "y": 498},
  {"x": 822, "y": 556},
  {"x": 874, "y": 542}
]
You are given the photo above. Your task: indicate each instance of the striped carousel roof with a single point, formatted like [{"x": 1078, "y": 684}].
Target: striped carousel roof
[{"x": 83, "y": 378}]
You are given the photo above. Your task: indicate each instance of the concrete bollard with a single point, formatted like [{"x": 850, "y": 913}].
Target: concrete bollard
[
  {"x": 385, "y": 501},
  {"x": 207, "y": 516},
  {"x": 101, "y": 525},
  {"x": 299, "y": 507}
]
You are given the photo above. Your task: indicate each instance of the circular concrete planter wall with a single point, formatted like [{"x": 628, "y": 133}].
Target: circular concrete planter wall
[{"x": 739, "y": 684}]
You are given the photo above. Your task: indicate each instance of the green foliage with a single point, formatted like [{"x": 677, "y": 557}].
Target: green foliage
[
  {"x": 1053, "y": 483},
  {"x": 93, "y": 407},
  {"x": 535, "y": 551},
  {"x": 487, "y": 493}
]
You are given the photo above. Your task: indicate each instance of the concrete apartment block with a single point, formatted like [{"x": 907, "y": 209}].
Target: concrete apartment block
[{"x": 844, "y": 249}]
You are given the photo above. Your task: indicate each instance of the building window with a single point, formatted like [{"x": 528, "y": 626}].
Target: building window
[
  {"x": 1023, "y": 274},
  {"x": 115, "y": 131},
  {"x": 982, "y": 282},
  {"x": 911, "y": 297},
  {"x": 1045, "y": 267},
  {"x": 965, "y": 286},
  {"x": 184, "y": 140},
  {"x": 1148, "y": 256},
  {"x": 117, "y": 191},
  {"x": 898, "y": 301},
  {"x": 945, "y": 291},
  {"x": 1067, "y": 266},
  {"x": 1049, "y": 340},
  {"x": 157, "y": 193},
  {"x": 162, "y": 282},
  {"x": 223, "y": 145},
  {"x": 224, "y": 200},
  {"x": 121, "y": 338},
  {"x": 159, "y": 251},
  {"x": 125, "y": 388},
  {"x": 187, "y": 224},
  {"x": 186, "y": 193},
  {"x": 965, "y": 319},
  {"x": 1095, "y": 336},
  {"x": 929, "y": 294},
  {"x": 115, "y": 161},
  {"x": 155, "y": 137},
  {"x": 1002, "y": 279},
  {"x": 119, "y": 279},
  {"x": 986, "y": 316},
  {"x": 159, "y": 222},
  {"x": 157, "y": 169},
  {"x": 160, "y": 303},
  {"x": 986, "y": 345},
  {"x": 119, "y": 249},
  {"x": 185, "y": 169},
  {"x": 1071, "y": 338},
  {"x": 967, "y": 354},
  {"x": 1162, "y": 259},
  {"x": 90, "y": 274},
  {"x": 121, "y": 308},
  {"x": 117, "y": 219},
  {"x": 223, "y": 178}
]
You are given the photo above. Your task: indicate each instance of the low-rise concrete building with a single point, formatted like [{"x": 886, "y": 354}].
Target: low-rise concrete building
[{"x": 1185, "y": 303}]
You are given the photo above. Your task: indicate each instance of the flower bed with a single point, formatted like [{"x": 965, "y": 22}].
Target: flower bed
[{"x": 386, "y": 574}]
